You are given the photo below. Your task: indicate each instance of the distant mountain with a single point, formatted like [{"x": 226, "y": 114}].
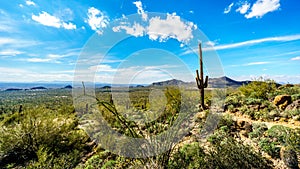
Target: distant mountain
[
  {"x": 13, "y": 89},
  {"x": 225, "y": 81},
  {"x": 38, "y": 88},
  {"x": 173, "y": 82},
  {"x": 212, "y": 82},
  {"x": 68, "y": 87}
]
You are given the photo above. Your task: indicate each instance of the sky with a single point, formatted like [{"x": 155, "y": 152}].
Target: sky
[{"x": 123, "y": 41}]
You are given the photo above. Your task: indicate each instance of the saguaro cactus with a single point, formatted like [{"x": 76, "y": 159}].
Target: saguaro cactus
[{"x": 201, "y": 83}]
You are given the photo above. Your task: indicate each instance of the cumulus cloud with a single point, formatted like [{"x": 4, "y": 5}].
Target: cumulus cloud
[
  {"x": 135, "y": 30},
  {"x": 97, "y": 20},
  {"x": 262, "y": 7},
  {"x": 171, "y": 27},
  {"x": 161, "y": 29},
  {"x": 68, "y": 25},
  {"x": 46, "y": 19},
  {"x": 28, "y": 2},
  {"x": 244, "y": 8},
  {"x": 140, "y": 9},
  {"x": 228, "y": 9}
]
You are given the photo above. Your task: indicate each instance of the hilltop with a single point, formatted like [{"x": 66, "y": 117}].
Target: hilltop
[{"x": 212, "y": 82}]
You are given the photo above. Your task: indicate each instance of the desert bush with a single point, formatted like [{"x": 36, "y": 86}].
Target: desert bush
[
  {"x": 279, "y": 132},
  {"x": 258, "y": 130},
  {"x": 234, "y": 100},
  {"x": 295, "y": 96},
  {"x": 39, "y": 132},
  {"x": 189, "y": 156},
  {"x": 258, "y": 89},
  {"x": 226, "y": 152},
  {"x": 269, "y": 146},
  {"x": 273, "y": 139},
  {"x": 293, "y": 140},
  {"x": 292, "y": 113},
  {"x": 287, "y": 91}
]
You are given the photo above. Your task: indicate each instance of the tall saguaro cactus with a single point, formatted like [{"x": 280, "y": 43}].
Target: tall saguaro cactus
[{"x": 201, "y": 83}]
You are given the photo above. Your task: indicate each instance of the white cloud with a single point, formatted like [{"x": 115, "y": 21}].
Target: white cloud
[
  {"x": 256, "y": 63},
  {"x": 10, "y": 52},
  {"x": 102, "y": 68},
  {"x": 8, "y": 42},
  {"x": 68, "y": 25},
  {"x": 245, "y": 43},
  {"x": 48, "y": 20},
  {"x": 228, "y": 9},
  {"x": 135, "y": 30},
  {"x": 244, "y": 8},
  {"x": 262, "y": 7},
  {"x": 171, "y": 27},
  {"x": 140, "y": 10},
  {"x": 4, "y": 41},
  {"x": 255, "y": 41},
  {"x": 296, "y": 58},
  {"x": 161, "y": 29},
  {"x": 210, "y": 43},
  {"x": 97, "y": 20},
  {"x": 8, "y": 74},
  {"x": 295, "y": 79},
  {"x": 38, "y": 60},
  {"x": 51, "y": 58},
  {"x": 28, "y": 2}
]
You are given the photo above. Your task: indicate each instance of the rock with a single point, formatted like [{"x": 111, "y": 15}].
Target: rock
[
  {"x": 296, "y": 118},
  {"x": 240, "y": 123},
  {"x": 289, "y": 157},
  {"x": 244, "y": 133},
  {"x": 276, "y": 118},
  {"x": 248, "y": 127},
  {"x": 273, "y": 114},
  {"x": 294, "y": 106},
  {"x": 282, "y": 101},
  {"x": 283, "y": 119},
  {"x": 286, "y": 86}
]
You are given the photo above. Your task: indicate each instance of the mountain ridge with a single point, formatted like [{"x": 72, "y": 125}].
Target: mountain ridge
[{"x": 220, "y": 82}]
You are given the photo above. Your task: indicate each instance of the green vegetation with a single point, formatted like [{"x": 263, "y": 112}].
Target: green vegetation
[{"x": 42, "y": 129}]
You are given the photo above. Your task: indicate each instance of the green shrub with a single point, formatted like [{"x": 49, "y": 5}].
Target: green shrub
[
  {"x": 258, "y": 130},
  {"x": 226, "y": 152},
  {"x": 39, "y": 133},
  {"x": 188, "y": 156},
  {"x": 295, "y": 97},
  {"x": 259, "y": 89},
  {"x": 273, "y": 139},
  {"x": 279, "y": 132},
  {"x": 270, "y": 147}
]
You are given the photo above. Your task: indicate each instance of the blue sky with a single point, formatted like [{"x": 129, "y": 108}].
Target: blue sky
[{"x": 150, "y": 40}]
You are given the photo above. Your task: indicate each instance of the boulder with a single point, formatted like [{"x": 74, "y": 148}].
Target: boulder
[
  {"x": 294, "y": 106},
  {"x": 245, "y": 125},
  {"x": 282, "y": 101},
  {"x": 289, "y": 157}
]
